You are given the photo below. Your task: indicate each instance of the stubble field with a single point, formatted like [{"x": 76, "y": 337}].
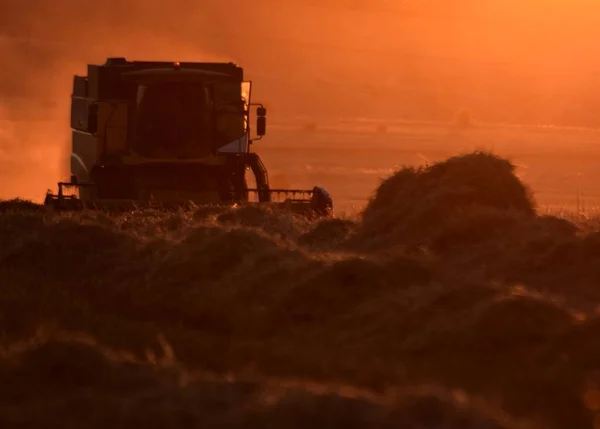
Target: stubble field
[
  {"x": 454, "y": 300},
  {"x": 351, "y": 157}
]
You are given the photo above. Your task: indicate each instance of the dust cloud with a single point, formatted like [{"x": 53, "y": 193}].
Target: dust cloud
[
  {"x": 45, "y": 46},
  {"x": 517, "y": 61}
]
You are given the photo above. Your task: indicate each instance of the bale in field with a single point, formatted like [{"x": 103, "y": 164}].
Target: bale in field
[
  {"x": 409, "y": 205},
  {"x": 463, "y": 119}
]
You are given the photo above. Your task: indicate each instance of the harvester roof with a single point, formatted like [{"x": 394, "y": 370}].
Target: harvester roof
[
  {"x": 175, "y": 74},
  {"x": 108, "y": 81}
]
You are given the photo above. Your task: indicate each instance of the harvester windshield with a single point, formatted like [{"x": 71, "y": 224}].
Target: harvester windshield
[
  {"x": 230, "y": 112},
  {"x": 187, "y": 119}
]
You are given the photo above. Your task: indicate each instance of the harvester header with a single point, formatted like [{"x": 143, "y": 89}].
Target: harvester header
[{"x": 169, "y": 133}]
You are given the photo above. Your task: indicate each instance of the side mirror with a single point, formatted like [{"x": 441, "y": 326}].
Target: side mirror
[
  {"x": 92, "y": 120},
  {"x": 261, "y": 112},
  {"x": 261, "y": 125}
]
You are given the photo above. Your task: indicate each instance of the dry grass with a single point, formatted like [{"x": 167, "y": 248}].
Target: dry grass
[
  {"x": 81, "y": 383},
  {"x": 452, "y": 278}
]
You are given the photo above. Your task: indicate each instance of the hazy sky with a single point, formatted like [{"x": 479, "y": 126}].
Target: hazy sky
[
  {"x": 503, "y": 60},
  {"x": 443, "y": 46}
]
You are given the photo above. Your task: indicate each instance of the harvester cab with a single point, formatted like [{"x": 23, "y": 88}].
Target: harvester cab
[{"x": 165, "y": 134}]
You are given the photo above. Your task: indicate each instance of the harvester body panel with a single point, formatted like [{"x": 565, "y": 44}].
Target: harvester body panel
[{"x": 168, "y": 132}]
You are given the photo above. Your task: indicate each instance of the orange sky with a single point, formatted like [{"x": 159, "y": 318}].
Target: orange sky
[
  {"x": 504, "y": 60},
  {"x": 345, "y": 42}
]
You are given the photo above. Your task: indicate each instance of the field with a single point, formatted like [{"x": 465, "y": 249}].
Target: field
[
  {"x": 349, "y": 158},
  {"x": 455, "y": 300}
]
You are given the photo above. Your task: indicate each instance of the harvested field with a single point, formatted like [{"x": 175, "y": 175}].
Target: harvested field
[
  {"x": 456, "y": 288},
  {"x": 452, "y": 300}
]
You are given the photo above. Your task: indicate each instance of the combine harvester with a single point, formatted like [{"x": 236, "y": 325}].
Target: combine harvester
[{"x": 164, "y": 134}]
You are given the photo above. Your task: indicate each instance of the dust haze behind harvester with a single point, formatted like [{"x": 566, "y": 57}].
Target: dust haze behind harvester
[
  {"x": 425, "y": 59},
  {"x": 45, "y": 43}
]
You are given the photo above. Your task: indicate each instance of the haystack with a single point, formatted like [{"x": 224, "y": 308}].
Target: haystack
[{"x": 410, "y": 204}]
